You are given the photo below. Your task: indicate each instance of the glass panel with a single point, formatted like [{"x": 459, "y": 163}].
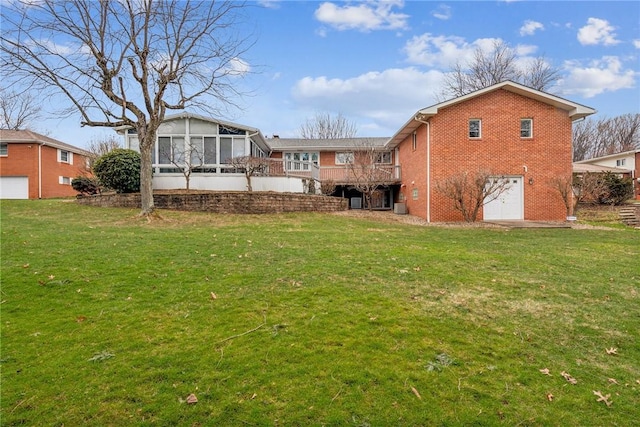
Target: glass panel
[
  {"x": 4, "y": 149},
  {"x": 210, "y": 150},
  {"x": 196, "y": 151},
  {"x": 201, "y": 127},
  {"x": 226, "y": 151},
  {"x": 134, "y": 144},
  {"x": 227, "y": 130},
  {"x": 164, "y": 150},
  {"x": 525, "y": 128},
  {"x": 474, "y": 128},
  {"x": 238, "y": 147}
]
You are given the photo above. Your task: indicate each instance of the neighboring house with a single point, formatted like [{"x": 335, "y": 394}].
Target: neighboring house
[
  {"x": 626, "y": 163},
  {"x": 332, "y": 161},
  {"x": 516, "y": 132},
  {"x": 34, "y": 166}
]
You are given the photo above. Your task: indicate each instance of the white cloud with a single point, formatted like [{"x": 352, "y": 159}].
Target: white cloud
[
  {"x": 366, "y": 16},
  {"x": 530, "y": 27},
  {"x": 597, "y": 31},
  {"x": 387, "y": 98},
  {"x": 238, "y": 67},
  {"x": 636, "y": 43},
  {"x": 442, "y": 12},
  {"x": 599, "y": 76},
  {"x": 269, "y": 4},
  {"x": 443, "y": 51}
]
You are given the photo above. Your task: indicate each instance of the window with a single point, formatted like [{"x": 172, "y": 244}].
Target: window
[
  {"x": 230, "y": 148},
  {"x": 414, "y": 193},
  {"x": 4, "y": 149},
  {"x": 384, "y": 158},
  {"x": 64, "y": 180},
  {"x": 475, "y": 128},
  {"x": 414, "y": 142},
  {"x": 65, "y": 156},
  {"x": 301, "y": 161},
  {"x": 526, "y": 128},
  {"x": 343, "y": 158},
  {"x": 621, "y": 162},
  {"x": 203, "y": 150}
]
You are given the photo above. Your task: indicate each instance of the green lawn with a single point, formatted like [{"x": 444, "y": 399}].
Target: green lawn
[{"x": 316, "y": 319}]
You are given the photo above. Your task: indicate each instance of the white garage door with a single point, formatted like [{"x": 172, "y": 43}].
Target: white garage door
[
  {"x": 14, "y": 187},
  {"x": 509, "y": 204}
]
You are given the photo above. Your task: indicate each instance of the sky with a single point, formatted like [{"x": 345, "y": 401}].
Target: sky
[{"x": 378, "y": 62}]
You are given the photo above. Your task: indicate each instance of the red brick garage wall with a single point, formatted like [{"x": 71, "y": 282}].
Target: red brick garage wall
[{"x": 500, "y": 149}]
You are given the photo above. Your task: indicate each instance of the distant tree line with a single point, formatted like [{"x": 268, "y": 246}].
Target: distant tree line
[{"x": 600, "y": 137}]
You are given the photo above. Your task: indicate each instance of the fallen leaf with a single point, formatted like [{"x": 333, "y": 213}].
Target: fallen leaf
[
  {"x": 550, "y": 397},
  {"x": 25, "y": 266},
  {"x": 413, "y": 389},
  {"x": 191, "y": 399},
  {"x": 568, "y": 377},
  {"x": 213, "y": 296},
  {"x": 613, "y": 381},
  {"x": 254, "y": 396},
  {"x": 612, "y": 351},
  {"x": 545, "y": 371},
  {"x": 80, "y": 319},
  {"x": 51, "y": 277},
  {"x": 602, "y": 398},
  {"x": 416, "y": 268}
]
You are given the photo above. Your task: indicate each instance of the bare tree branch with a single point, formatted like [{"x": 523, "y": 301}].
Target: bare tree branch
[
  {"x": 17, "y": 110},
  {"x": 326, "y": 126}
]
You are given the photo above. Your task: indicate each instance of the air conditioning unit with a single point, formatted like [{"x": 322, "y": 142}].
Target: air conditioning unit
[
  {"x": 356, "y": 203},
  {"x": 400, "y": 208}
]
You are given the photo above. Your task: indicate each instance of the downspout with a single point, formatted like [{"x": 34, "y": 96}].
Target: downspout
[
  {"x": 40, "y": 170},
  {"x": 426, "y": 122}
]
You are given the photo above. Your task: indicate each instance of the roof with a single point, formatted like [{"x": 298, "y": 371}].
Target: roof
[
  {"x": 579, "y": 167},
  {"x": 281, "y": 144},
  {"x": 31, "y": 137},
  {"x": 576, "y": 111},
  {"x": 254, "y": 132},
  {"x": 610, "y": 156}
]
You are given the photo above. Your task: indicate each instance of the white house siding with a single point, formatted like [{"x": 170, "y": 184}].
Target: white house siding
[{"x": 230, "y": 183}]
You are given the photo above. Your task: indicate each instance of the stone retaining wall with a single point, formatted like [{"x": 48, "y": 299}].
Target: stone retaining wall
[{"x": 241, "y": 202}]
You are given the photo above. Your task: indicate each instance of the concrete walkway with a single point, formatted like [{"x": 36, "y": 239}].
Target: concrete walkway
[{"x": 530, "y": 224}]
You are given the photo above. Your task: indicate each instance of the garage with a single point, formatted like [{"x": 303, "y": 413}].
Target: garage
[
  {"x": 14, "y": 187},
  {"x": 509, "y": 205}
]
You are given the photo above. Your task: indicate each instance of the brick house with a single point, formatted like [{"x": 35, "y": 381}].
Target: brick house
[
  {"x": 330, "y": 160},
  {"x": 626, "y": 163},
  {"x": 519, "y": 134},
  {"x": 34, "y": 166}
]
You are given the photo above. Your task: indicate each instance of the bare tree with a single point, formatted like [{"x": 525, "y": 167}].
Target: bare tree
[
  {"x": 469, "y": 191},
  {"x": 595, "y": 138},
  {"x": 326, "y": 126},
  {"x": 125, "y": 63},
  {"x": 17, "y": 110},
  {"x": 494, "y": 66},
  {"x": 251, "y": 166},
  {"x": 101, "y": 146},
  {"x": 368, "y": 172}
]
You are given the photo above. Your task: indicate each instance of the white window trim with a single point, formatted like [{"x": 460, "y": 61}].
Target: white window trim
[
  {"x": 348, "y": 157},
  {"x": 530, "y": 128},
  {"x": 6, "y": 150},
  {"x": 414, "y": 141},
  {"x": 61, "y": 180},
  {"x": 479, "y": 128},
  {"x": 69, "y": 156}
]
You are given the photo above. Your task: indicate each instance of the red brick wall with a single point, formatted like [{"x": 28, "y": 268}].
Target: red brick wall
[
  {"x": 500, "y": 149},
  {"x": 636, "y": 176},
  {"x": 22, "y": 160}
]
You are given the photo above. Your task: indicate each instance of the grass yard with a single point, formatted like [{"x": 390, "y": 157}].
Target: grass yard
[{"x": 312, "y": 319}]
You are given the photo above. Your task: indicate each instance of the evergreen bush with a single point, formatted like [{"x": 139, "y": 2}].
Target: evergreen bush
[{"x": 119, "y": 170}]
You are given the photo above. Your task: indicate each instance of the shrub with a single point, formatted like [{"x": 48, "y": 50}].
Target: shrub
[
  {"x": 617, "y": 189},
  {"x": 119, "y": 170},
  {"x": 85, "y": 185}
]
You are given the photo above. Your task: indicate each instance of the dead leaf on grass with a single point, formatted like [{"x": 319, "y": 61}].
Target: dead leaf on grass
[
  {"x": 545, "y": 371},
  {"x": 413, "y": 389},
  {"x": 213, "y": 296},
  {"x": 612, "y": 351},
  {"x": 192, "y": 399},
  {"x": 25, "y": 265},
  {"x": 614, "y": 381},
  {"x": 568, "y": 377},
  {"x": 602, "y": 398},
  {"x": 80, "y": 319},
  {"x": 550, "y": 397}
]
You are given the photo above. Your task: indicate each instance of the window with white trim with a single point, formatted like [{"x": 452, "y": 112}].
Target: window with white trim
[
  {"x": 384, "y": 158},
  {"x": 475, "y": 128},
  {"x": 414, "y": 141},
  {"x": 64, "y": 180},
  {"x": 344, "y": 157},
  {"x": 301, "y": 161},
  {"x": 65, "y": 156},
  {"x": 526, "y": 128},
  {"x": 621, "y": 162},
  {"x": 4, "y": 149}
]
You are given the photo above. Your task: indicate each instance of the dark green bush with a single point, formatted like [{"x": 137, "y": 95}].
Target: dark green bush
[
  {"x": 85, "y": 185},
  {"x": 119, "y": 170},
  {"x": 617, "y": 190}
]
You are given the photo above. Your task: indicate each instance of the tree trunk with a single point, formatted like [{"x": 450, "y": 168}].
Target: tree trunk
[{"x": 146, "y": 174}]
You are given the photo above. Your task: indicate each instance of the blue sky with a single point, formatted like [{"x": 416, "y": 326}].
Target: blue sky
[{"x": 377, "y": 62}]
